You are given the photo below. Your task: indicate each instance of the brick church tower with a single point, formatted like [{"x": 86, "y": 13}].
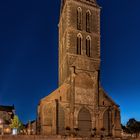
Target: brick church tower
[{"x": 79, "y": 103}]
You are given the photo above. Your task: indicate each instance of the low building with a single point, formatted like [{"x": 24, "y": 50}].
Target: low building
[
  {"x": 31, "y": 128},
  {"x": 6, "y": 114}
]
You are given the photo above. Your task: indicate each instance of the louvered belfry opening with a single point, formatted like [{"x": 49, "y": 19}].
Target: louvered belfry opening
[{"x": 84, "y": 122}]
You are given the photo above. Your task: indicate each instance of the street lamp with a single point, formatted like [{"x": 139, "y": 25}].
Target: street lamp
[{"x": 1, "y": 126}]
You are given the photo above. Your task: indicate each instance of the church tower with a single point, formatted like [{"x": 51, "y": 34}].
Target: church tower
[
  {"x": 80, "y": 103},
  {"x": 79, "y": 37}
]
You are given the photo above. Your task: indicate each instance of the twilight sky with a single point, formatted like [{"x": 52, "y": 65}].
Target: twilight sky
[{"x": 29, "y": 57}]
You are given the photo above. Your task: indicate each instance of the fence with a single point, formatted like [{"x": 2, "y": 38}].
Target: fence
[{"x": 41, "y": 137}]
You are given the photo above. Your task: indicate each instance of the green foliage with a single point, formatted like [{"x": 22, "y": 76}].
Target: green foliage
[
  {"x": 124, "y": 128},
  {"x": 16, "y": 123},
  {"x": 132, "y": 127},
  {"x": 22, "y": 127}
]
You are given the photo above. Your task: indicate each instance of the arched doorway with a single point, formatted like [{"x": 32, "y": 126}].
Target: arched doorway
[
  {"x": 107, "y": 122},
  {"x": 84, "y": 122}
]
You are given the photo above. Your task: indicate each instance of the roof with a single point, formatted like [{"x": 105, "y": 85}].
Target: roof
[
  {"x": 107, "y": 96},
  {"x": 7, "y": 108},
  {"x": 56, "y": 94}
]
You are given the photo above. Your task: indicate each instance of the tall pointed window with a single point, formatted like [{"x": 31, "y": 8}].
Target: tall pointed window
[
  {"x": 79, "y": 44},
  {"x": 79, "y": 18},
  {"x": 88, "y": 46},
  {"x": 88, "y": 21}
]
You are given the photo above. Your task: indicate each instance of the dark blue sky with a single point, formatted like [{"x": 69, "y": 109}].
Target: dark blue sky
[{"x": 29, "y": 57}]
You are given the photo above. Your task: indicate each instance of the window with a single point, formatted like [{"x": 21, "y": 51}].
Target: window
[
  {"x": 88, "y": 21},
  {"x": 60, "y": 98},
  {"x": 88, "y": 46},
  {"x": 79, "y": 18},
  {"x": 79, "y": 44}
]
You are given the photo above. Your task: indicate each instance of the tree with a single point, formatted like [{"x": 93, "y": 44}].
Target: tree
[
  {"x": 125, "y": 129},
  {"x": 133, "y": 127},
  {"x": 16, "y": 124}
]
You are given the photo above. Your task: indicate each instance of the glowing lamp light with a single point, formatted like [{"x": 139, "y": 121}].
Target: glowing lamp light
[
  {"x": 14, "y": 131},
  {"x": 7, "y": 130}
]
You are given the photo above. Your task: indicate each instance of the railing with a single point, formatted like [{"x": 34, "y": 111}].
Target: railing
[{"x": 43, "y": 137}]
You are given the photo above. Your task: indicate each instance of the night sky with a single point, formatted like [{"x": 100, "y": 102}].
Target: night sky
[{"x": 29, "y": 53}]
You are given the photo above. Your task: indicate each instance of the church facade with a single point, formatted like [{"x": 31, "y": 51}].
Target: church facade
[{"x": 79, "y": 103}]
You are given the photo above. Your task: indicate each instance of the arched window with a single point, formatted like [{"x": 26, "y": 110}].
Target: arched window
[
  {"x": 79, "y": 18},
  {"x": 60, "y": 118},
  {"x": 79, "y": 44},
  {"x": 107, "y": 123},
  {"x": 88, "y": 21},
  {"x": 88, "y": 46},
  {"x": 47, "y": 113}
]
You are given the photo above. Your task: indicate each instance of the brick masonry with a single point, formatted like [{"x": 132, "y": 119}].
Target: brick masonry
[{"x": 80, "y": 101}]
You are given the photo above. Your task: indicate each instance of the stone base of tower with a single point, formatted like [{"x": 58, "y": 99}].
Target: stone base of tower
[{"x": 57, "y": 115}]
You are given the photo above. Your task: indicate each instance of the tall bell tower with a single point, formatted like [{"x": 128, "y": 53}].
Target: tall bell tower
[
  {"x": 79, "y": 66},
  {"x": 79, "y": 103},
  {"x": 79, "y": 37}
]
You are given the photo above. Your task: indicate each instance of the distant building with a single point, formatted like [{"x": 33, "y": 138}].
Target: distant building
[
  {"x": 31, "y": 128},
  {"x": 6, "y": 114},
  {"x": 80, "y": 103}
]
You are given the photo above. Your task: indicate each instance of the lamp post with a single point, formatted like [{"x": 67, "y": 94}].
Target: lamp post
[{"x": 1, "y": 124}]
